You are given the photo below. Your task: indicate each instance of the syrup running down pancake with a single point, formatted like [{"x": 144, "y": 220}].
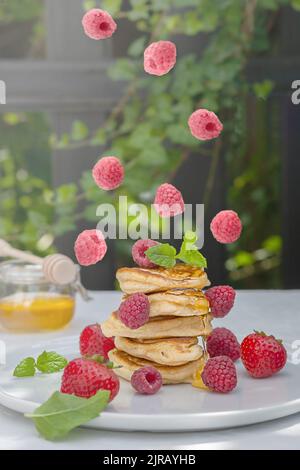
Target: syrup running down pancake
[{"x": 181, "y": 276}]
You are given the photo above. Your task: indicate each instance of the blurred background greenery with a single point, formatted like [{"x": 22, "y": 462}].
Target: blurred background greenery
[{"x": 147, "y": 129}]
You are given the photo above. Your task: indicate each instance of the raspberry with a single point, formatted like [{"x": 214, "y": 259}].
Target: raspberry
[
  {"x": 98, "y": 24},
  {"x": 226, "y": 226},
  {"x": 146, "y": 380},
  {"x": 108, "y": 173},
  {"x": 134, "y": 311},
  {"x": 222, "y": 342},
  {"x": 160, "y": 57},
  {"x": 221, "y": 300},
  {"x": 205, "y": 125},
  {"x": 219, "y": 374},
  {"x": 93, "y": 342},
  {"x": 168, "y": 201},
  {"x": 262, "y": 355},
  {"x": 84, "y": 377},
  {"x": 90, "y": 247},
  {"x": 138, "y": 253}
]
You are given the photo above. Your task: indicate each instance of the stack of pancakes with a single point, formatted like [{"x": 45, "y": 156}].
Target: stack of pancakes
[{"x": 179, "y": 314}]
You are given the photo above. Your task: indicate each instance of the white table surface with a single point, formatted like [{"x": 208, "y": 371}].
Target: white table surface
[{"x": 275, "y": 312}]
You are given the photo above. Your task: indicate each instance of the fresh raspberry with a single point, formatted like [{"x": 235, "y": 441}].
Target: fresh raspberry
[
  {"x": 221, "y": 300},
  {"x": 93, "y": 342},
  {"x": 168, "y": 201},
  {"x": 84, "y": 377},
  {"x": 262, "y": 355},
  {"x": 108, "y": 173},
  {"x": 134, "y": 311},
  {"x": 90, "y": 247},
  {"x": 160, "y": 57},
  {"x": 138, "y": 253},
  {"x": 219, "y": 374},
  {"x": 98, "y": 24},
  {"x": 222, "y": 342},
  {"x": 226, "y": 226},
  {"x": 205, "y": 125},
  {"x": 146, "y": 380}
]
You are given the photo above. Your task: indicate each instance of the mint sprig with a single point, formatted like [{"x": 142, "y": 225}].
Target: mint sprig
[
  {"x": 162, "y": 255},
  {"x": 61, "y": 413},
  {"x": 165, "y": 255},
  {"x": 46, "y": 363}
]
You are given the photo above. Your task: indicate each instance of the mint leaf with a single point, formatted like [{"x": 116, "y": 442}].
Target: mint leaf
[
  {"x": 162, "y": 255},
  {"x": 61, "y": 413},
  {"x": 189, "y": 253},
  {"x": 25, "y": 368},
  {"x": 50, "y": 362},
  {"x": 193, "y": 258}
]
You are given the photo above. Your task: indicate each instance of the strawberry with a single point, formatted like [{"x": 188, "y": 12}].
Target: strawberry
[
  {"x": 84, "y": 377},
  {"x": 262, "y": 355},
  {"x": 93, "y": 342}
]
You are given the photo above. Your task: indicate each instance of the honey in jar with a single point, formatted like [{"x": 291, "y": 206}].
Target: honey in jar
[{"x": 29, "y": 303}]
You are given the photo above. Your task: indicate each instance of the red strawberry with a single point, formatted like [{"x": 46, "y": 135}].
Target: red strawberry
[
  {"x": 262, "y": 355},
  {"x": 84, "y": 377},
  {"x": 93, "y": 342}
]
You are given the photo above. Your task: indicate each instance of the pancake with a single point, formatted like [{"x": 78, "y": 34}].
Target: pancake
[
  {"x": 168, "y": 351},
  {"x": 170, "y": 374},
  {"x": 159, "y": 279},
  {"x": 160, "y": 327},
  {"x": 178, "y": 302}
]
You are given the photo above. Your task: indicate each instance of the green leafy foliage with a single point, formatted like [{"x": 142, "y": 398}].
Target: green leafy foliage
[
  {"x": 149, "y": 131},
  {"x": 62, "y": 413}
]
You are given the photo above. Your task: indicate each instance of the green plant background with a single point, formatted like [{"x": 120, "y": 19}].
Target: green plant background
[{"x": 151, "y": 137}]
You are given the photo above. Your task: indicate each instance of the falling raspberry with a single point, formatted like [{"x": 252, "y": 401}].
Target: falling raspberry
[
  {"x": 108, "y": 173},
  {"x": 168, "y": 201},
  {"x": 98, "y": 24},
  {"x": 221, "y": 300},
  {"x": 90, "y": 247},
  {"x": 205, "y": 125},
  {"x": 146, "y": 380},
  {"x": 219, "y": 374},
  {"x": 226, "y": 226},
  {"x": 138, "y": 253},
  {"x": 160, "y": 57},
  {"x": 134, "y": 311},
  {"x": 222, "y": 342}
]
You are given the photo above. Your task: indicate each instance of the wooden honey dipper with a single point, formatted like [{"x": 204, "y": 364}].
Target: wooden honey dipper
[{"x": 58, "y": 269}]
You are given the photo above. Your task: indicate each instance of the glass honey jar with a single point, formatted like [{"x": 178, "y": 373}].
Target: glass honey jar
[{"x": 29, "y": 303}]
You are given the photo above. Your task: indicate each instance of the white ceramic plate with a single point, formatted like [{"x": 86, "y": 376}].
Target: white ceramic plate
[{"x": 174, "y": 408}]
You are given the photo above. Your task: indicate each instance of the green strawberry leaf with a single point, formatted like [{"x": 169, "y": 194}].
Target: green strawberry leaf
[
  {"x": 97, "y": 358},
  {"x": 189, "y": 253},
  {"x": 163, "y": 255},
  {"x": 25, "y": 368},
  {"x": 50, "y": 362},
  {"x": 61, "y": 413}
]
